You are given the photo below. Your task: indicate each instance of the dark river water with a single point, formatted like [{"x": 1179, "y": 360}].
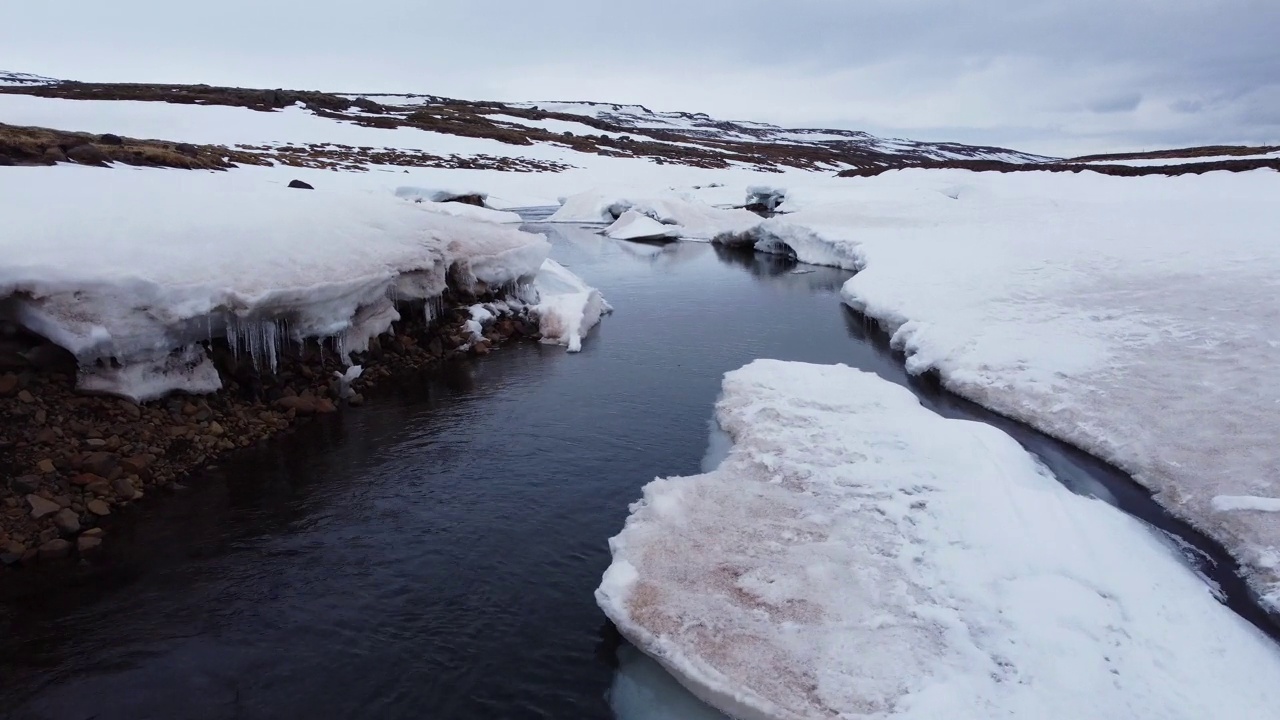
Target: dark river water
[{"x": 433, "y": 554}]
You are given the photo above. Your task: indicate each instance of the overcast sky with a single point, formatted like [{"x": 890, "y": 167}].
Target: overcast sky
[{"x": 1061, "y": 77}]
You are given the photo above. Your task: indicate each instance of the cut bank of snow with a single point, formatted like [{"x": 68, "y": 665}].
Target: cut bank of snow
[
  {"x": 567, "y": 307},
  {"x": 631, "y": 225},
  {"x": 858, "y": 556},
  {"x": 1136, "y": 318},
  {"x": 696, "y": 219},
  {"x": 145, "y": 264}
]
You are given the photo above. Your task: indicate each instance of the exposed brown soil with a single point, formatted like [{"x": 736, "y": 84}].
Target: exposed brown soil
[
  {"x": 43, "y": 146},
  {"x": 1177, "y": 154},
  {"x": 1193, "y": 168},
  {"x": 70, "y": 463},
  {"x": 345, "y": 157}
]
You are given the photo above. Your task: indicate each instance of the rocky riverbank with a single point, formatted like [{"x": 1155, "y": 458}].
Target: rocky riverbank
[{"x": 72, "y": 462}]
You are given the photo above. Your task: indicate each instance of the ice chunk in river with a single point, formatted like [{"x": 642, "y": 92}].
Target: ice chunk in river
[
  {"x": 696, "y": 220},
  {"x": 631, "y": 225},
  {"x": 567, "y": 306},
  {"x": 856, "y": 555}
]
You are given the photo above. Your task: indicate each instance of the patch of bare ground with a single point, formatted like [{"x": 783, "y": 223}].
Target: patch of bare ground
[
  {"x": 345, "y": 157},
  {"x": 1178, "y": 154},
  {"x": 71, "y": 464},
  {"x": 1191, "y": 168},
  {"x": 44, "y": 146},
  {"x": 708, "y": 144}
]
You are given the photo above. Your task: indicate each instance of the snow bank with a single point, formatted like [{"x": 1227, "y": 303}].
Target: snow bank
[
  {"x": 138, "y": 266},
  {"x": 780, "y": 237},
  {"x": 1137, "y": 318},
  {"x": 856, "y": 555},
  {"x": 695, "y": 220},
  {"x": 631, "y": 225},
  {"x": 567, "y": 307}
]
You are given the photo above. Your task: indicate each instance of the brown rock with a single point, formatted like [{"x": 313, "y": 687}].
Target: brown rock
[
  {"x": 84, "y": 479},
  {"x": 67, "y": 522},
  {"x": 47, "y": 436},
  {"x": 102, "y": 488},
  {"x": 325, "y": 405},
  {"x": 99, "y": 463},
  {"x": 24, "y": 484},
  {"x": 46, "y": 466},
  {"x": 356, "y": 400},
  {"x": 26, "y": 396},
  {"x": 55, "y": 549},
  {"x": 88, "y": 545},
  {"x": 12, "y": 553},
  {"x": 95, "y": 442},
  {"x": 124, "y": 488},
  {"x": 41, "y": 507},
  {"x": 130, "y": 409},
  {"x": 94, "y": 532},
  {"x": 8, "y": 385},
  {"x": 137, "y": 464},
  {"x": 99, "y": 508}
]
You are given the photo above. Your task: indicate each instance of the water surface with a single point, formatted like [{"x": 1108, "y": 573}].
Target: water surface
[{"x": 433, "y": 554}]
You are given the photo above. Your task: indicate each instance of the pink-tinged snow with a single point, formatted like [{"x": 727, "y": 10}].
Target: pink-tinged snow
[
  {"x": 142, "y": 264},
  {"x": 858, "y": 556},
  {"x": 692, "y": 218},
  {"x": 1137, "y": 318},
  {"x": 567, "y": 307}
]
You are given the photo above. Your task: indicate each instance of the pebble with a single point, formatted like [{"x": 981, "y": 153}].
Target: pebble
[
  {"x": 98, "y": 507},
  {"x": 88, "y": 544},
  {"x": 55, "y": 549},
  {"x": 67, "y": 522},
  {"x": 41, "y": 507}
]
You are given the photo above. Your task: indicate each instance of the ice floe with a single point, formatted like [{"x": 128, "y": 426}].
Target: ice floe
[
  {"x": 857, "y": 555},
  {"x": 632, "y": 225},
  {"x": 690, "y": 217},
  {"x": 567, "y": 307}
]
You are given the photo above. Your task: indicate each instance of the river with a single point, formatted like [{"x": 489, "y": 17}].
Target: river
[{"x": 433, "y": 554}]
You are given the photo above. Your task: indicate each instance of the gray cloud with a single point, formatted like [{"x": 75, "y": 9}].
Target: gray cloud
[
  {"x": 1127, "y": 102},
  {"x": 1054, "y": 76}
]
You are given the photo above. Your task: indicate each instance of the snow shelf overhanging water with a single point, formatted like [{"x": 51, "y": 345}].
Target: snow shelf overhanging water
[
  {"x": 130, "y": 270},
  {"x": 856, "y": 555}
]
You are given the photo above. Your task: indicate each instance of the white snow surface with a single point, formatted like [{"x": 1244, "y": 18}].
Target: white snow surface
[
  {"x": 695, "y": 219},
  {"x": 143, "y": 263},
  {"x": 567, "y": 307},
  {"x": 858, "y": 556},
  {"x": 631, "y": 225},
  {"x": 1137, "y": 318},
  {"x": 1227, "y": 503}
]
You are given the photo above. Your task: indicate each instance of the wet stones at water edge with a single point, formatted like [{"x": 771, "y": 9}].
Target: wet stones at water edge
[
  {"x": 70, "y": 464},
  {"x": 298, "y": 184}
]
